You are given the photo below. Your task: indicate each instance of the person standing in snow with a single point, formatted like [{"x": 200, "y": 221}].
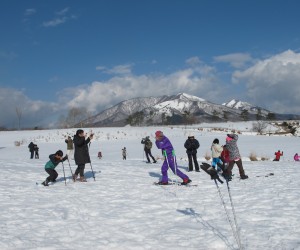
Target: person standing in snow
[
  {"x": 70, "y": 148},
  {"x": 216, "y": 151},
  {"x": 50, "y": 166},
  {"x": 235, "y": 157},
  {"x": 124, "y": 153},
  {"x": 225, "y": 157},
  {"x": 36, "y": 152},
  {"x": 147, "y": 148},
  {"x": 81, "y": 154},
  {"x": 296, "y": 157},
  {"x": 163, "y": 143},
  {"x": 191, "y": 145},
  {"x": 31, "y": 149},
  {"x": 277, "y": 155}
]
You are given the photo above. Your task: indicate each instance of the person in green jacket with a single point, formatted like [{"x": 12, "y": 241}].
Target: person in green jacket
[{"x": 50, "y": 166}]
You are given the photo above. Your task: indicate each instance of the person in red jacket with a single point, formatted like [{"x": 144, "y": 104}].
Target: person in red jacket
[{"x": 277, "y": 155}]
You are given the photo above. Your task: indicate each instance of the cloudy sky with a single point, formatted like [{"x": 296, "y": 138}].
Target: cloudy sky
[{"x": 59, "y": 54}]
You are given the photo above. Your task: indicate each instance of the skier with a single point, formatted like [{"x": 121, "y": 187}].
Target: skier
[
  {"x": 163, "y": 143},
  {"x": 216, "y": 151},
  {"x": 31, "y": 149},
  {"x": 235, "y": 157},
  {"x": 81, "y": 154},
  {"x": 70, "y": 147},
  {"x": 36, "y": 152},
  {"x": 191, "y": 145},
  {"x": 147, "y": 149},
  {"x": 296, "y": 157},
  {"x": 50, "y": 166},
  {"x": 277, "y": 155},
  {"x": 124, "y": 153}
]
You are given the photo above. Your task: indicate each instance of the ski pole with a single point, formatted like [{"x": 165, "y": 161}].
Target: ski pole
[
  {"x": 64, "y": 173},
  {"x": 234, "y": 217},
  {"x": 227, "y": 214},
  {"x": 92, "y": 171},
  {"x": 71, "y": 169}
]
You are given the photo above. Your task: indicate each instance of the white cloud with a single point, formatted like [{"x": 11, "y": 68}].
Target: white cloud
[
  {"x": 193, "y": 61},
  {"x": 124, "y": 69},
  {"x": 29, "y": 12},
  {"x": 62, "y": 12},
  {"x": 55, "y": 22},
  {"x": 236, "y": 60},
  {"x": 274, "y": 82},
  {"x": 34, "y": 113},
  {"x": 59, "y": 18}
]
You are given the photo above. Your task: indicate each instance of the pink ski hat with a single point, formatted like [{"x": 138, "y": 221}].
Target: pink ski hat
[
  {"x": 228, "y": 138},
  {"x": 158, "y": 134}
]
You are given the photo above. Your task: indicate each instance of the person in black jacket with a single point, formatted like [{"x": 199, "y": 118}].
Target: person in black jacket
[
  {"x": 81, "y": 154},
  {"x": 147, "y": 149},
  {"x": 191, "y": 145},
  {"x": 31, "y": 149}
]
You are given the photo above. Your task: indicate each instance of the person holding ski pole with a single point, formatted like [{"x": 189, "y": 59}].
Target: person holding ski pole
[
  {"x": 163, "y": 143},
  {"x": 235, "y": 157},
  {"x": 81, "y": 153},
  {"x": 50, "y": 166}
]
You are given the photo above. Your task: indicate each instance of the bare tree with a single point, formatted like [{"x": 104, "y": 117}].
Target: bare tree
[
  {"x": 259, "y": 126},
  {"x": 19, "y": 116}
]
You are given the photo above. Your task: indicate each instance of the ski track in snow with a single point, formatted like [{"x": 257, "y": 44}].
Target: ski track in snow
[{"x": 122, "y": 209}]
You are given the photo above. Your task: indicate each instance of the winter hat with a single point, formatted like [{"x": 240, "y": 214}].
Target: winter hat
[
  {"x": 228, "y": 138},
  {"x": 191, "y": 135},
  {"x": 158, "y": 134},
  {"x": 216, "y": 141},
  {"x": 59, "y": 153}
]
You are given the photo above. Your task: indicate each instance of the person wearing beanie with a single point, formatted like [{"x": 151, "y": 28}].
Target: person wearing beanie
[
  {"x": 163, "y": 143},
  {"x": 81, "y": 153},
  {"x": 234, "y": 157},
  {"x": 191, "y": 145},
  {"x": 50, "y": 166},
  {"x": 216, "y": 151}
]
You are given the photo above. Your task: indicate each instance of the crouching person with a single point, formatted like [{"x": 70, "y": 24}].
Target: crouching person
[{"x": 50, "y": 166}]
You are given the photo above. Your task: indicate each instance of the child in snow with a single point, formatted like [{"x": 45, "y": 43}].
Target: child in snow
[
  {"x": 163, "y": 143},
  {"x": 36, "y": 152},
  {"x": 124, "y": 153},
  {"x": 277, "y": 155},
  {"x": 296, "y": 157},
  {"x": 235, "y": 157},
  {"x": 50, "y": 166},
  {"x": 99, "y": 155},
  {"x": 216, "y": 151},
  {"x": 225, "y": 157}
]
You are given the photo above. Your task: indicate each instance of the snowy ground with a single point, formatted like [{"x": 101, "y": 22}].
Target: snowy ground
[{"x": 123, "y": 210}]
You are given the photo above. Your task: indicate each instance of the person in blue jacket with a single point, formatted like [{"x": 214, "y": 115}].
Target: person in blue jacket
[{"x": 50, "y": 166}]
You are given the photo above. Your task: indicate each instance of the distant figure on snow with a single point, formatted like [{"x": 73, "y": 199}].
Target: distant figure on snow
[
  {"x": 31, "y": 149},
  {"x": 36, "y": 152},
  {"x": 100, "y": 155},
  {"x": 124, "y": 153},
  {"x": 277, "y": 155},
  {"x": 50, "y": 166},
  {"x": 235, "y": 157},
  {"x": 296, "y": 157},
  {"x": 70, "y": 147},
  {"x": 163, "y": 143},
  {"x": 147, "y": 148},
  {"x": 191, "y": 145}
]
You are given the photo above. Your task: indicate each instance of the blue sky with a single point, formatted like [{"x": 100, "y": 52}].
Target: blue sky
[{"x": 58, "y": 54}]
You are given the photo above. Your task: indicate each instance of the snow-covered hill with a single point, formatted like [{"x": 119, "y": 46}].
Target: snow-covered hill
[{"x": 176, "y": 109}]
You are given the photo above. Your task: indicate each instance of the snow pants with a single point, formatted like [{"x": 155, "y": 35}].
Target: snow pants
[
  {"x": 193, "y": 157},
  {"x": 148, "y": 153},
  {"x": 52, "y": 174},
  {"x": 165, "y": 167},
  {"x": 240, "y": 166},
  {"x": 80, "y": 170}
]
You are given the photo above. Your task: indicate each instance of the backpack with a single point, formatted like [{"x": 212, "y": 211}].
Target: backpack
[{"x": 148, "y": 144}]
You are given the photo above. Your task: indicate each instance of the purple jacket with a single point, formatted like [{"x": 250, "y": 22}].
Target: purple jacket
[{"x": 164, "y": 144}]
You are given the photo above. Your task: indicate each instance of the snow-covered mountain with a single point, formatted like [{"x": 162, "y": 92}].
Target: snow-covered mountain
[{"x": 175, "y": 109}]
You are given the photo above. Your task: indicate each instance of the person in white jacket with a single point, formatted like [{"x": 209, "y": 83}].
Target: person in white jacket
[{"x": 216, "y": 151}]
